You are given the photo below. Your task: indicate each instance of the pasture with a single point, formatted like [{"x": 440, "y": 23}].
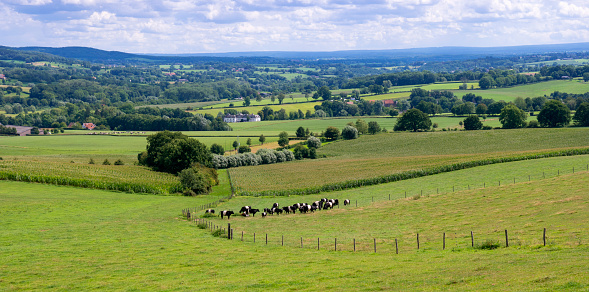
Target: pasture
[
  {"x": 383, "y": 154},
  {"x": 63, "y": 238}
]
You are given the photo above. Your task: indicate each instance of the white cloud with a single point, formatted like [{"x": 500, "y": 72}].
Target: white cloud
[{"x": 31, "y": 2}]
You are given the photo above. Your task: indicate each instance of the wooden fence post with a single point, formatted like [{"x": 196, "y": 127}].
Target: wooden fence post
[
  {"x": 229, "y": 231},
  {"x": 417, "y": 240},
  {"x": 317, "y": 243},
  {"x": 242, "y": 236},
  {"x": 354, "y": 244},
  {"x": 266, "y": 238},
  {"x": 282, "y": 240},
  {"x": 444, "y": 244},
  {"x": 471, "y": 239},
  {"x": 506, "y": 239},
  {"x": 254, "y": 237},
  {"x": 389, "y": 197},
  {"x": 396, "y": 246},
  {"x": 301, "y": 242},
  {"x": 544, "y": 236},
  {"x": 335, "y": 245},
  {"x": 374, "y": 245}
]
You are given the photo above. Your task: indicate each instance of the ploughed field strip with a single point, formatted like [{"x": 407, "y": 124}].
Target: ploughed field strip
[{"x": 372, "y": 156}]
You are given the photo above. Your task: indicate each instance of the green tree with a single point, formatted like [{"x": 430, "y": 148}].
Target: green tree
[
  {"x": 362, "y": 126},
  {"x": 581, "y": 117},
  {"x": 331, "y": 133},
  {"x": 194, "y": 182},
  {"x": 413, "y": 120},
  {"x": 313, "y": 142},
  {"x": 106, "y": 162},
  {"x": 235, "y": 144},
  {"x": 481, "y": 109},
  {"x": 373, "y": 127},
  {"x": 280, "y": 98},
  {"x": 300, "y": 132},
  {"x": 554, "y": 114},
  {"x": 246, "y": 101},
  {"x": 249, "y": 142},
  {"x": 217, "y": 149},
  {"x": 472, "y": 123},
  {"x": 324, "y": 92},
  {"x": 262, "y": 139},
  {"x": 486, "y": 82},
  {"x": 349, "y": 132},
  {"x": 512, "y": 117},
  {"x": 586, "y": 76},
  {"x": 283, "y": 139},
  {"x": 244, "y": 149}
]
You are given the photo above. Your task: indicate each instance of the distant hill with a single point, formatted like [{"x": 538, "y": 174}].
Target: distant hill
[{"x": 422, "y": 54}]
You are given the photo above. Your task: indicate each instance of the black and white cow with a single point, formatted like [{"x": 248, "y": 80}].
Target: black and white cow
[
  {"x": 226, "y": 213},
  {"x": 277, "y": 211},
  {"x": 245, "y": 209},
  {"x": 297, "y": 205},
  {"x": 313, "y": 208},
  {"x": 254, "y": 211},
  {"x": 210, "y": 211},
  {"x": 346, "y": 202},
  {"x": 335, "y": 202},
  {"x": 268, "y": 210},
  {"x": 275, "y": 205},
  {"x": 264, "y": 214},
  {"x": 327, "y": 205}
]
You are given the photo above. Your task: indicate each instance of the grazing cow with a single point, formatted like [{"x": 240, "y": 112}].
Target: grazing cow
[
  {"x": 254, "y": 211},
  {"x": 327, "y": 205},
  {"x": 335, "y": 202},
  {"x": 346, "y": 202},
  {"x": 264, "y": 214},
  {"x": 277, "y": 210},
  {"x": 297, "y": 205},
  {"x": 245, "y": 214},
  {"x": 210, "y": 211},
  {"x": 313, "y": 208},
  {"x": 245, "y": 209},
  {"x": 286, "y": 209},
  {"x": 226, "y": 213},
  {"x": 275, "y": 205},
  {"x": 268, "y": 210},
  {"x": 289, "y": 209},
  {"x": 324, "y": 200}
]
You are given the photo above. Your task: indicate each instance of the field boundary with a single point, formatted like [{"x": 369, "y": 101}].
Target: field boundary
[{"x": 410, "y": 174}]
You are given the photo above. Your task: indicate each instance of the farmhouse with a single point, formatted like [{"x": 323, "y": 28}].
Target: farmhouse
[
  {"x": 241, "y": 118},
  {"x": 88, "y": 126}
]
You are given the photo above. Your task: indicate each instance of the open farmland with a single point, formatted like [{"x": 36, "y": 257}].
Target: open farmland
[
  {"x": 530, "y": 90},
  {"x": 53, "y": 238},
  {"x": 373, "y": 156}
]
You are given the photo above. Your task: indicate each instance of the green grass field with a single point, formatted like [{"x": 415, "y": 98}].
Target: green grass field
[
  {"x": 530, "y": 90},
  {"x": 377, "y": 155},
  {"x": 63, "y": 238}
]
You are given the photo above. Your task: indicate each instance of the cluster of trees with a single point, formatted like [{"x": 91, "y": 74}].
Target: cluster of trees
[
  {"x": 176, "y": 153},
  {"x": 7, "y": 130}
]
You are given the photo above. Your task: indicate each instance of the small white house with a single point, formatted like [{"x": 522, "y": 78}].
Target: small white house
[{"x": 241, "y": 118}]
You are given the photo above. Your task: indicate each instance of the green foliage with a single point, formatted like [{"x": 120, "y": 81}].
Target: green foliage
[
  {"x": 533, "y": 124},
  {"x": 301, "y": 152},
  {"x": 217, "y": 149},
  {"x": 362, "y": 126},
  {"x": 488, "y": 244},
  {"x": 91, "y": 161},
  {"x": 512, "y": 117},
  {"x": 194, "y": 182},
  {"x": 172, "y": 152},
  {"x": 119, "y": 162},
  {"x": 413, "y": 120},
  {"x": 313, "y": 142},
  {"x": 581, "y": 117},
  {"x": 106, "y": 162},
  {"x": 235, "y": 144},
  {"x": 554, "y": 114},
  {"x": 349, "y": 133},
  {"x": 331, "y": 133},
  {"x": 244, "y": 149},
  {"x": 248, "y": 142},
  {"x": 472, "y": 123},
  {"x": 300, "y": 132},
  {"x": 373, "y": 127},
  {"x": 262, "y": 139},
  {"x": 283, "y": 139}
]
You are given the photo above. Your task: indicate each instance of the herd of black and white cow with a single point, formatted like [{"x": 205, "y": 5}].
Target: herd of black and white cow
[{"x": 246, "y": 211}]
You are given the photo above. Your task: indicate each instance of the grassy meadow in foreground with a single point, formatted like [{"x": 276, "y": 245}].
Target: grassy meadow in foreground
[{"x": 64, "y": 238}]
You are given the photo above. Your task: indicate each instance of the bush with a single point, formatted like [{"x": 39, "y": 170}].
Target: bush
[
  {"x": 244, "y": 149},
  {"x": 283, "y": 139},
  {"x": 301, "y": 152},
  {"x": 332, "y": 133},
  {"x": 217, "y": 149},
  {"x": 350, "y": 132},
  {"x": 533, "y": 124},
  {"x": 91, "y": 161},
  {"x": 488, "y": 244},
  {"x": 472, "y": 123},
  {"x": 485, "y": 127},
  {"x": 119, "y": 162},
  {"x": 194, "y": 182},
  {"x": 313, "y": 142},
  {"x": 106, "y": 162}
]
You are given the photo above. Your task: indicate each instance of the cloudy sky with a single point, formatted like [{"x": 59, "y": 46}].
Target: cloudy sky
[{"x": 197, "y": 26}]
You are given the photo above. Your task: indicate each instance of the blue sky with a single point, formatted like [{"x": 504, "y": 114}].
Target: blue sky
[{"x": 196, "y": 26}]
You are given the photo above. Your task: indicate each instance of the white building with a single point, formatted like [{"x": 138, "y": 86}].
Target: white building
[{"x": 241, "y": 118}]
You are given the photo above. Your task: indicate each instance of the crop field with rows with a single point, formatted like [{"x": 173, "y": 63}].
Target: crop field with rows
[{"x": 385, "y": 154}]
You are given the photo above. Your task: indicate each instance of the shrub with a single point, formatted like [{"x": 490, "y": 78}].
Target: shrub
[
  {"x": 373, "y": 127},
  {"x": 244, "y": 149},
  {"x": 533, "y": 124},
  {"x": 90, "y": 162},
  {"x": 485, "y": 127},
  {"x": 488, "y": 244},
  {"x": 217, "y": 149},
  {"x": 119, "y": 162},
  {"x": 349, "y": 133},
  {"x": 332, "y": 133},
  {"x": 194, "y": 182},
  {"x": 313, "y": 142},
  {"x": 106, "y": 162},
  {"x": 219, "y": 161},
  {"x": 472, "y": 123},
  {"x": 283, "y": 139},
  {"x": 301, "y": 152},
  {"x": 288, "y": 154}
]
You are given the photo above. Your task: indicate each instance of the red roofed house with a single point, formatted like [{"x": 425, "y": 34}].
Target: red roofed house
[
  {"x": 389, "y": 102},
  {"x": 88, "y": 126}
]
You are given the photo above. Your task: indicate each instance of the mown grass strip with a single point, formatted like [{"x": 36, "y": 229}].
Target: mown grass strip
[{"x": 410, "y": 174}]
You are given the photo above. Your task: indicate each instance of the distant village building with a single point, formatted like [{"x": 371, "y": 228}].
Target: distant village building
[
  {"x": 22, "y": 130},
  {"x": 389, "y": 103},
  {"x": 241, "y": 118},
  {"x": 88, "y": 126},
  {"x": 2, "y": 76}
]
